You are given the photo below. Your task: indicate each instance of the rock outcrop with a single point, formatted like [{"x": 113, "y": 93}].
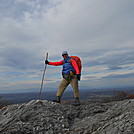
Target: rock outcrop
[{"x": 46, "y": 117}]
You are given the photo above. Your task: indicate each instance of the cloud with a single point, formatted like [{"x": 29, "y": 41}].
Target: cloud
[
  {"x": 100, "y": 32},
  {"x": 129, "y": 75},
  {"x": 18, "y": 57},
  {"x": 112, "y": 57}
]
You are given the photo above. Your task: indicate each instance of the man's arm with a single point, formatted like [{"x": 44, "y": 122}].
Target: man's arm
[{"x": 56, "y": 63}]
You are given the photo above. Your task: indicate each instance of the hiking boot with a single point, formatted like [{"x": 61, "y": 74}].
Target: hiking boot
[
  {"x": 57, "y": 99},
  {"x": 76, "y": 102}
]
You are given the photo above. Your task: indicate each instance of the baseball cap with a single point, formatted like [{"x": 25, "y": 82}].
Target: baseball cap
[{"x": 64, "y": 52}]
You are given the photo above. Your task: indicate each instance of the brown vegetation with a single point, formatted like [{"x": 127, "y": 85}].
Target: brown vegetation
[
  {"x": 119, "y": 96},
  {"x": 131, "y": 96}
]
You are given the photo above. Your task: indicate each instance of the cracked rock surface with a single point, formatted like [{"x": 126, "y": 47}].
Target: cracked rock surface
[{"x": 46, "y": 117}]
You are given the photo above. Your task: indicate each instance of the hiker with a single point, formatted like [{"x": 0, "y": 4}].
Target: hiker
[{"x": 71, "y": 75}]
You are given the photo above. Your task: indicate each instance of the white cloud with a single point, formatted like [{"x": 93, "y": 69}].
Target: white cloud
[{"x": 100, "y": 32}]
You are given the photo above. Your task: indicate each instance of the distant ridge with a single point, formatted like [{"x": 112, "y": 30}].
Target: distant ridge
[{"x": 15, "y": 98}]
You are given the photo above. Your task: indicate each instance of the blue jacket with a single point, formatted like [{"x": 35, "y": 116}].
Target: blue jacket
[{"x": 67, "y": 66}]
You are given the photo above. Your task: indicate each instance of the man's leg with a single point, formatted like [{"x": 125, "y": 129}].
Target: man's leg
[
  {"x": 74, "y": 84},
  {"x": 64, "y": 83}
]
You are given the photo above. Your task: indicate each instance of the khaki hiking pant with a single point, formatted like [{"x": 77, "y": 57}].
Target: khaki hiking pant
[{"x": 63, "y": 85}]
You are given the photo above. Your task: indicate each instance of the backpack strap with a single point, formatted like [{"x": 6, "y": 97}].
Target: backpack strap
[{"x": 69, "y": 60}]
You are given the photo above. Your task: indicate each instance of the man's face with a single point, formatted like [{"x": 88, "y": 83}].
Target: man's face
[{"x": 65, "y": 56}]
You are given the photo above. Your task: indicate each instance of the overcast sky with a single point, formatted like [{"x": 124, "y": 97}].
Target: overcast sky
[{"x": 101, "y": 32}]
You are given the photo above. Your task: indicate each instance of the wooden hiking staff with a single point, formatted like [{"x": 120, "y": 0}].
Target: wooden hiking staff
[{"x": 43, "y": 76}]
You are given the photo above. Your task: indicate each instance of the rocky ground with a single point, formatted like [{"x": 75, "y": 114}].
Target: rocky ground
[{"x": 46, "y": 117}]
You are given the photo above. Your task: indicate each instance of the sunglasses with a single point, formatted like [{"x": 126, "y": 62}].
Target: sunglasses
[{"x": 64, "y": 54}]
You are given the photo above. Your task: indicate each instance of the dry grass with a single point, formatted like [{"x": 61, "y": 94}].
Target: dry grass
[
  {"x": 131, "y": 96},
  {"x": 119, "y": 96}
]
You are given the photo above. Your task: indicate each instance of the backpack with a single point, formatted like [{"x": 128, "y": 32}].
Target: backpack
[{"x": 78, "y": 61}]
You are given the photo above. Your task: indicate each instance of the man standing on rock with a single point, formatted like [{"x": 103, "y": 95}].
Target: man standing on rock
[{"x": 71, "y": 75}]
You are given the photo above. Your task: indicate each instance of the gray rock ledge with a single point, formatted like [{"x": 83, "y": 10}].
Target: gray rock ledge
[{"x": 46, "y": 117}]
